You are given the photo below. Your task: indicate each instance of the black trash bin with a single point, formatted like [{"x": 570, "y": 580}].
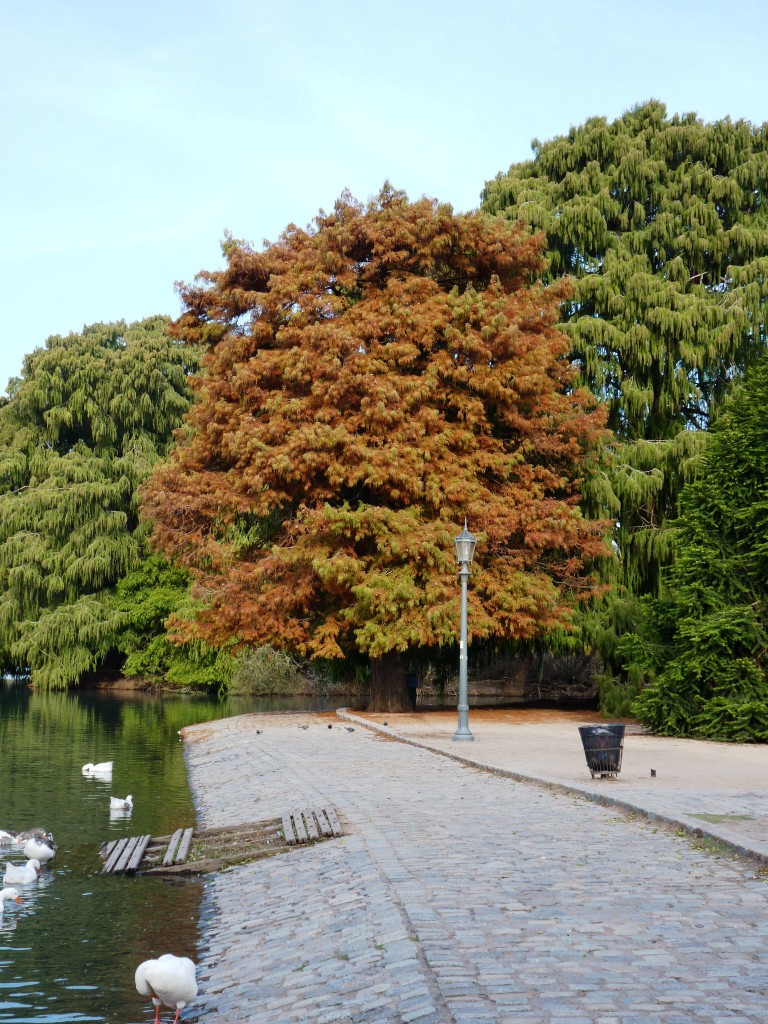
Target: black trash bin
[{"x": 603, "y": 745}]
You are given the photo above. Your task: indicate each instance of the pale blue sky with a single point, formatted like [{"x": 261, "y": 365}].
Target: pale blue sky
[{"x": 135, "y": 134}]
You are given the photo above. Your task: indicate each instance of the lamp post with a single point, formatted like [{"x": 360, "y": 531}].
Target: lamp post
[{"x": 465, "y": 550}]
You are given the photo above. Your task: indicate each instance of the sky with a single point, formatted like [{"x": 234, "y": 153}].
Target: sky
[{"x": 135, "y": 135}]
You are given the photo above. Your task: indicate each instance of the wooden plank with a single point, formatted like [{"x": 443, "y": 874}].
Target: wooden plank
[
  {"x": 309, "y": 820},
  {"x": 298, "y": 826},
  {"x": 107, "y": 848},
  {"x": 288, "y": 833},
  {"x": 335, "y": 825},
  {"x": 322, "y": 821},
  {"x": 170, "y": 853},
  {"x": 298, "y": 822},
  {"x": 115, "y": 851},
  {"x": 181, "y": 854},
  {"x": 115, "y": 856},
  {"x": 137, "y": 854},
  {"x": 125, "y": 856}
]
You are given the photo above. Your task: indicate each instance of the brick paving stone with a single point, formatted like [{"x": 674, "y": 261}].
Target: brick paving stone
[{"x": 458, "y": 896}]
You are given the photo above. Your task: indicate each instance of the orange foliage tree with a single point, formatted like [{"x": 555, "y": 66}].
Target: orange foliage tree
[{"x": 369, "y": 382}]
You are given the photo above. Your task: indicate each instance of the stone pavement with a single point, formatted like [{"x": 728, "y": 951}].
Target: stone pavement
[
  {"x": 719, "y": 790},
  {"x": 465, "y": 896}
]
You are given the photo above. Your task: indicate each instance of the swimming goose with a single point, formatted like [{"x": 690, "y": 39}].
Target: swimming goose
[
  {"x": 8, "y": 894},
  {"x": 117, "y": 803},
  {"x": 169, "y": 980},
  {"x": 15, "y": 875},
  {"x": 38, "y": 848},
  {"x": 103, "y": 769},
  {"x": 7, "y": 838}
]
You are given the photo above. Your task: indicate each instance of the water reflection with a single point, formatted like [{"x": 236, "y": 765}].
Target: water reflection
[{"x": 70, "y": 951}]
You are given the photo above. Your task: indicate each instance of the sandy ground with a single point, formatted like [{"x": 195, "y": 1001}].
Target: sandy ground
[{"x": 548, "y": 742}]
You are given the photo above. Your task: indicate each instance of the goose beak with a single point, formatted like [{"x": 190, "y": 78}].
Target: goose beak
[{"x": 17, "y": 899}]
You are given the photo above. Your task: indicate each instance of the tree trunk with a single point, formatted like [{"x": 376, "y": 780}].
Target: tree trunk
[{"x": 389, "y": 689}]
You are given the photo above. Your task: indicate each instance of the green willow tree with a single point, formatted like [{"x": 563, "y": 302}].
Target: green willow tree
[
  {"x": 85, "y": 424},
  {"x": 663, "y": 223},
  {"x": 369, "y": 383},
  {"x": 145, "y": 599},
  {"x": 702, "y": 649}
]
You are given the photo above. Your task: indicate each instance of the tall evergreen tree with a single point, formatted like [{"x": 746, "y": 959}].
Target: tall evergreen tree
[
  {"x": 82, "y": 429},
  {"x": 369, "y": 383},
  {"x": 703, "y": 646},
  {"x": 663, "y": 223}
]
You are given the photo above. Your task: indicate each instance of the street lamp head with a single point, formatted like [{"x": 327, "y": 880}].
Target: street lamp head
[{"x": 465, "y": 546}]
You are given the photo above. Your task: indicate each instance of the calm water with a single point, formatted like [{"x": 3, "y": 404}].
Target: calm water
[{"x": 70, "y": 952}]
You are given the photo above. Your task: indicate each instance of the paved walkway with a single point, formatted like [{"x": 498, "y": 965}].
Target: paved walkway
[
  {"x": 717, "y": 789},
  {"x": 466, "y": 896}
]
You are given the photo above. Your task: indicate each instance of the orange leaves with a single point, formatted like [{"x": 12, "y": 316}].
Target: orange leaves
[{"x": 370, "y": 383}]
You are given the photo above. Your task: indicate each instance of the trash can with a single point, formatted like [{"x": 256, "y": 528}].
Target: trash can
[{"x": 603, "y": 745}]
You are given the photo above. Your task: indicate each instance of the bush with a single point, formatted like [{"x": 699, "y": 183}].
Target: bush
[
  {"x": 265, "y": 671},
  {"x": 616, "y": 696}
]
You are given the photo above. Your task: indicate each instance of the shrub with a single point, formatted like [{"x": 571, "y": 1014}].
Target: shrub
[{"x": 265, "y": 671}]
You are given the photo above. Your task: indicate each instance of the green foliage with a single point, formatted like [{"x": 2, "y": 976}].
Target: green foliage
[
  {"x": 739, "y": 721},
  {"x": 266, "y": 671},
  {"x": 85, "y": 424},
  {"x": 66, "y": 641},
  {"x": 703, "y": 646},
  {"x": 669, "y": 710},
  {"x": 616, "y": 696},
  {"x": 146, "y": 598},
  {"x": 663, "y": 224},
  {"x": 196, "y": 665}
]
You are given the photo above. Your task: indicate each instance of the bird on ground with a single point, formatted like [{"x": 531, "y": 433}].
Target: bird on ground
[
  {"x": 9, "y": 894},
  {"x": 118, "y": 803},
  {"x": 303, "y": 726},
  {"x": 102, "y": 770},
  {"x": 349, "y": 728},
  {"x": 168, "y": 981},
  {"x": 15, "y": 875},
  {"x": 40, "y": 848}
]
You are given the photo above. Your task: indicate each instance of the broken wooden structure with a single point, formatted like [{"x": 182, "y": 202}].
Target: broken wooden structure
[{"x": 196, "y": 851}]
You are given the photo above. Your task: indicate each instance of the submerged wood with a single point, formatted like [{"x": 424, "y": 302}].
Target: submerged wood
[{"x": 198, "y": 851}]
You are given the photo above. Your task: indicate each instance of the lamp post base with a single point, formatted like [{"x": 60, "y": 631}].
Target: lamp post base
[{"x": 462, "y": 732}]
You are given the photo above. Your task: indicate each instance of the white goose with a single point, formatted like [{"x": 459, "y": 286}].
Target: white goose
[
  {"x": 7, "y": 838},
  {"x": 9, "y": 894},
  {"x": 169, "y": 980},
  {"x": 15, "y": 875},
  {"x": 117, "y": 803},
  {"x": 102, "y": 770},
  {"x": 40, "y": 849}
]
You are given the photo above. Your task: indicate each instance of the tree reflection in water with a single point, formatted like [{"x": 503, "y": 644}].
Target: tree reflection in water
[{"x": 70, "y": 952}]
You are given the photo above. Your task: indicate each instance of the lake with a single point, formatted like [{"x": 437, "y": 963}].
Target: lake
[{"x": 70, "y": 952}]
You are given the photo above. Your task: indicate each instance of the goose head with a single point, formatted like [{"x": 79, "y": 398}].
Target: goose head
[{"x": 9, "y": 894}]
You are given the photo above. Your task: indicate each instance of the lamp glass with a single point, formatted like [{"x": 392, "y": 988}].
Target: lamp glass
[{"x": 465, "y": 546}]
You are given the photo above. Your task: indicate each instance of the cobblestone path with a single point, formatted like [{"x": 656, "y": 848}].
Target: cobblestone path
[{"x": 457, "y": 896}]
